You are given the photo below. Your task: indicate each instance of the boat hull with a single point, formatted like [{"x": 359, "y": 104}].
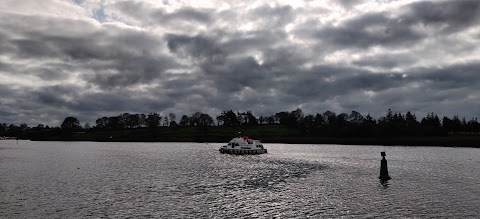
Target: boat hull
[{"x": 243, "y": 151}]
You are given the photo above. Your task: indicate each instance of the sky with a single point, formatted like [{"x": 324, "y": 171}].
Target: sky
[{"x": 95, "y": 58}]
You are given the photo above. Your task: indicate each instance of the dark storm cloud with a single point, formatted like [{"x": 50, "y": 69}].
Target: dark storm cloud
[
  {"x": 87, "y": 105},
  {"x": 189, "y": 84},
  {"x": 52, "y": 71},
  {"x": 261, "y": 41},
  {"x": 52, "y": 95},
  {"x": 230, "y": 69},
  {"x": 368, "y": 30},
  {"x": 119, "y": 102},
  {"x": 272, "y": 34},
  {"x": 130, "y": 71},
  {"x": 451, "y": 77},
  {"x": 40, "y": 37},
  {"x": 220, "y": 85},
  {"x": 108, "y": 55},
  {"x": 7, "y": 91},
  {"x": 441, "y": 90},
  {"x": 421, "y": 89},
  {"x": 218, "y": 43},
  {"x": 448, "y": 16},
  {"x": 227, "y": 64},
  {"x": 323, "y": 81},
  {"x": 94, "y": 46},
  {"x": 394, "y": 30},
  {"x": 199, "y": 48},
  {"x": 5, "y": 113},
  {"x": 5, "y": 67},
  {"x": 236, "y": 74}
]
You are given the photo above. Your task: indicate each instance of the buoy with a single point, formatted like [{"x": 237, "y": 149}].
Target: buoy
[{"x": 383, "y": 168}]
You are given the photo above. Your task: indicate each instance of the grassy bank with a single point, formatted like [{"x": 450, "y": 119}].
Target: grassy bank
[
  {"x": 266, "y": 133},
  {"x": 179, "y": 134}
]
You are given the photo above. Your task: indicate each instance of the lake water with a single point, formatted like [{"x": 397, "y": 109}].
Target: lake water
[{"x": 193, "y": 180}]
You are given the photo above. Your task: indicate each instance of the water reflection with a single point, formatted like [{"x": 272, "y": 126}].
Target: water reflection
[{"x": 384, "y": 183}]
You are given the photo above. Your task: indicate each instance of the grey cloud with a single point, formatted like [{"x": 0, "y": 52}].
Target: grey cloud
[
  {"x": 120, "y": 102},
  {"x": 106, "y": 55},
  {"x": 369, "y": 30},
  {"x": 52, "y": 95},
  {"x": 393, "y": 90},
  {"x": 444, "y": 90},
  {"x": 82, "y": 103},
  {"x": 5, "y": 67},
  {"x": 128, "y": 71},
  {"x": 349, "y": 3},
  {"x": 387, "y": 60},
  {"x": 272, "y": 17},
  {"x": 145, "y": 13},
  {"x": 236, "y": 74},
  {"x": 262, "y": 40},
  {"x": 187, "y": 14},
  {"x": 451, "y": 77},
  {"x": 49, "y": 72},
  {"x": 288, "y": 58},
  {"x": 98, "y": 45},
  {"x": 189, "y": 85},
  {"x": 7, "y": 91},
  {"x": 326, "y": 81},
  {"x": 456, "y": 15},
  {"x": 5, "y": 112},
  {"x": 395, "y": 30},
  {"x": 199, "y": 48}
]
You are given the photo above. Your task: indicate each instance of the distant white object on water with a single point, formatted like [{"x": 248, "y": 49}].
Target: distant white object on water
[{"x": 243, "y": 145}]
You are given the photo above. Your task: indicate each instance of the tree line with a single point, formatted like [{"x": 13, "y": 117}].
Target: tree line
[{"x": 320, "y": 124}]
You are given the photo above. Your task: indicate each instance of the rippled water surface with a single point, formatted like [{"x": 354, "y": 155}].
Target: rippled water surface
[{"x": 193, "y": 180}]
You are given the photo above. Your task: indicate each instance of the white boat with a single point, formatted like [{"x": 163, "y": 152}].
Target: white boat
[{"x": 243, "y": 145}]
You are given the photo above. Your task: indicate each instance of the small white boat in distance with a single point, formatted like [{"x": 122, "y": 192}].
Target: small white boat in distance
[{"x": 243, "y": 145}]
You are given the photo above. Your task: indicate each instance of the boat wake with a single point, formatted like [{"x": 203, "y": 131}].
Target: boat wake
[{"x": 268, "y": 174}]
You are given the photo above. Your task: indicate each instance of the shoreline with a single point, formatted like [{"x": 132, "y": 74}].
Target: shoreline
[
  {"x": 264, "y": 133},
  {"x": 452, "y": 141},
  {"x": 397, "y": 141}
]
